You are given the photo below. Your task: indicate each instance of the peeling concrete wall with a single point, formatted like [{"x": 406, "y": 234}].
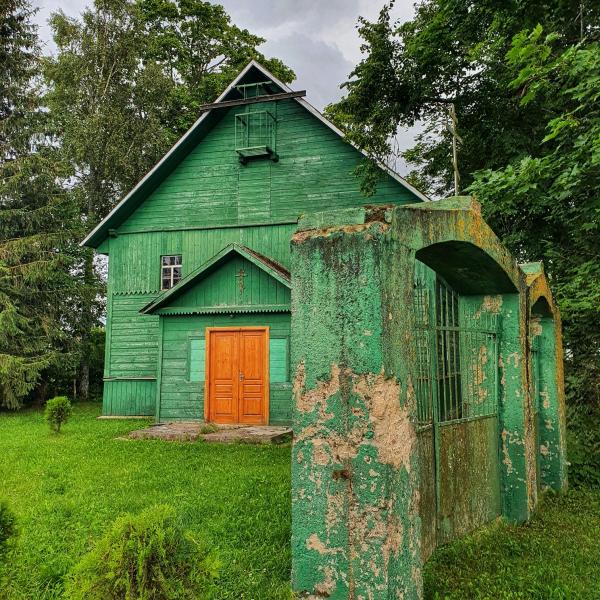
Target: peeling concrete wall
[
  {"x": 517, "y": 434},
  {"x": 545, "y": 325},
  {"x": 356, "y": 473},
  {"x": 355, "y": 467}
]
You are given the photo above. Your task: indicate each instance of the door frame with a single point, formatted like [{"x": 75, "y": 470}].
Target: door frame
[{"x": 207, "y": 376}]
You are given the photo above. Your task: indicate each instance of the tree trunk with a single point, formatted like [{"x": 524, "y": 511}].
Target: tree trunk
[
  {"x": 40, "y": 393},
  {"x": 84, "y": 383},
  {"x": 88, "y": 301}
]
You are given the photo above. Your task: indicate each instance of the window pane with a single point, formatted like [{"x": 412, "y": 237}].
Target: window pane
[{"x": 170, "y": 271}]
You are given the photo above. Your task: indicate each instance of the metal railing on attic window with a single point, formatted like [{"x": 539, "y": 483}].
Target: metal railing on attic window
[
  {"x": 255, "y": 135},
  {"x": 252, "y": 90}
]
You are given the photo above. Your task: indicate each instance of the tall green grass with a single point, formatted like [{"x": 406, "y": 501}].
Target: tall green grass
[{"x": 67, "y": 490}]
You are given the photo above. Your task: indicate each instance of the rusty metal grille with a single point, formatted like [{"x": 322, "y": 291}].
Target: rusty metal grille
[
  {"x": 424, "y": 383},
  {"x": 456, "y": 354}
]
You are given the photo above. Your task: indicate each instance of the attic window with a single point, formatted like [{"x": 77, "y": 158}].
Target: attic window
[
  {"x": 170, "y": 271},
  {"x": 255, "y": 135}
]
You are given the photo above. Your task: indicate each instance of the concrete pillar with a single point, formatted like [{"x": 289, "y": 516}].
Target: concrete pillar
[
  {"x": 517, "y": 443},
  {"x": 552, "y": 456},
  {"x": 355, "y": 525}
]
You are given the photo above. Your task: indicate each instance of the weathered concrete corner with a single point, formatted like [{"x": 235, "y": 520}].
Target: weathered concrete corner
[{"x": 355, "y": 467}]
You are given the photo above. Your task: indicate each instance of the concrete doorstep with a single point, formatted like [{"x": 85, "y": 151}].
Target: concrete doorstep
[{"x": 226, "y": 434}]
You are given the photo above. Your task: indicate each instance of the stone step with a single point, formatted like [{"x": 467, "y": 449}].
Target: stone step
[{"x": 226, "y": 434}]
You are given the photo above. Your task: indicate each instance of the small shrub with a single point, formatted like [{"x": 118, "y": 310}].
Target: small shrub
[
  {"x": 143, "y": 557},
  {"x": 57, "y": 413},
  {"x": 208, "y": 428},
  {"x": 8, "y": 527}
]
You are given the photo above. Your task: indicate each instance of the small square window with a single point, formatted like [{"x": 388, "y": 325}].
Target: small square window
[{"x": 170, "y": 271}]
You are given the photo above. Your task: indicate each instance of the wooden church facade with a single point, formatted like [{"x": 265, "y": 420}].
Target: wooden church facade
[{"x": 198, "y": 311}]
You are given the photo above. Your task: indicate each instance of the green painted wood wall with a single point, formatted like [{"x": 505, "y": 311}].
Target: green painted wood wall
[
  {"x": 129, "y": 397},
  {"x": 209, "y": 201},
  {"x": 134, "y": 264},
  {"x": 211, "y": 188},
  {"x": 181, "y": 391}
]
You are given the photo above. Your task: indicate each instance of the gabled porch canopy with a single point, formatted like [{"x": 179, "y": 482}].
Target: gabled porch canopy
[{"x": 237, "y": 279}]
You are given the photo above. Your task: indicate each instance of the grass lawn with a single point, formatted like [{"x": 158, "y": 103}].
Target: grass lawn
[{"x": 66, "y": 489}]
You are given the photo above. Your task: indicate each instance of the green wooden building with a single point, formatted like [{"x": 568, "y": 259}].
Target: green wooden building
[{"x": 198, "y": 317}]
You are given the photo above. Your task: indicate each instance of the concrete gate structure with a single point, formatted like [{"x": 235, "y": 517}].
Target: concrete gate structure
[{"x": 428, "y": 392}]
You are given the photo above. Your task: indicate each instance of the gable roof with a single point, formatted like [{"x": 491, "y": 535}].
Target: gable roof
[
  {"x": 268, "y": 265},
  {"x": 253, "y": 72}
]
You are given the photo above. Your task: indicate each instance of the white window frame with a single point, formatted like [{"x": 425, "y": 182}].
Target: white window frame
[{"x": 167, "y": 271}]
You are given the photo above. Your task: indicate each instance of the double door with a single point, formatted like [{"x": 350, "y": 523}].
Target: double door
[{"x": 237, "y": 378}]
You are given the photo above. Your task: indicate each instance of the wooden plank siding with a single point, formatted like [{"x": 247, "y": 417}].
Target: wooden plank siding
[
  {"x": 222, "y": 288},
  {"x": 129, "y": 397},
  {"x": 181, "y": 394},
  {"x": 315, "y": 171},
  {"x": 135, "y": 258},
  {"x": 208, "y": 201}
]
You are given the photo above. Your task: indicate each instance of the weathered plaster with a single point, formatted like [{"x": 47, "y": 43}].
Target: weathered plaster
[{"x": 362, "y": 512}]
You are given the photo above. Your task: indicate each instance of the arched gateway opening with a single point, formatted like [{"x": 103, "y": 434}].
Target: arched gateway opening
[{"x": 457, "y": 337}]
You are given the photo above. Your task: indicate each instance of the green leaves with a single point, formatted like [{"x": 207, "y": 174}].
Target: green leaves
[
  {"x": 525, "y": 84},
  {"x": 552, "y": 199}
]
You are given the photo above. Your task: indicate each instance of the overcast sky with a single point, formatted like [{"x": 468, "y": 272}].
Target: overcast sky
[{"x": 317, "y": 38}]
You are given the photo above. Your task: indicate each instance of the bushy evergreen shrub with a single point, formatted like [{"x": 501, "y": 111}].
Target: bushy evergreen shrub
[
  {"x": 8, "y": 527},
  {"x": 57, "y": 413},
  {"x": 143, "y": 557}
]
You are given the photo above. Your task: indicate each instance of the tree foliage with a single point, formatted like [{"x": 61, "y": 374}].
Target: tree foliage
[
  {"x": 37, "y": 222},
  {"x": 77, "y": 130},
  {"x": 127, "y": 81},
  {"x": 451, "y": 52},
  {"x": 523, "y": 78},
  {"x": 548, "y": 205}
]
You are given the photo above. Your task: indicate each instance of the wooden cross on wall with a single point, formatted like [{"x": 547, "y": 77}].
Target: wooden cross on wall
[{"x": 240, "y": 277}]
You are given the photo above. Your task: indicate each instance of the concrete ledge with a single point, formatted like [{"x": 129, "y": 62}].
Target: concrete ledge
[{"x": 122, "y": 417}]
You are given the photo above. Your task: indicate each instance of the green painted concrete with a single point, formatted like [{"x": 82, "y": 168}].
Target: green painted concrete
[
  {"x": 354, "y": 464},
  {"x": 373, "y": 493},
  {"x": 545, "y": 325}
]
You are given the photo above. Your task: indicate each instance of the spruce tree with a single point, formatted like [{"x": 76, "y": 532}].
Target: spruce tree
[{"x": 36, "y": 222}]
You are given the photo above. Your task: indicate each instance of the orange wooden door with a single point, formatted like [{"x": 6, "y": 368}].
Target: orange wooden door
[
  {"x": 238, "y": 376},
  {"x": 224, "y": 376},
  {"x": 253, "y": 361}
]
